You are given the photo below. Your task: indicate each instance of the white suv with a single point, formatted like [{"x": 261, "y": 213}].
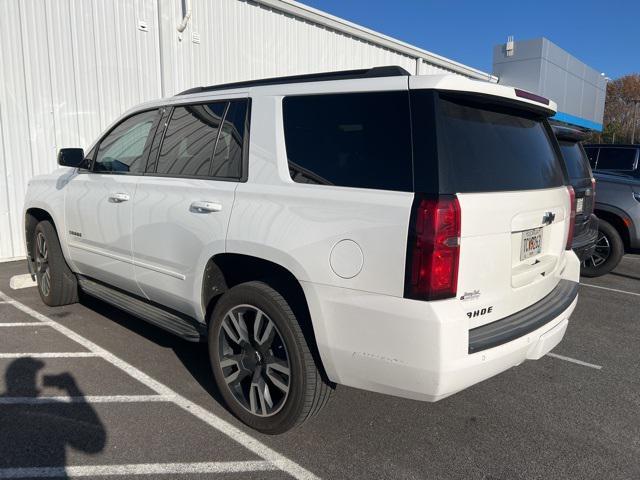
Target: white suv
[{"x": 409, "y": 235}]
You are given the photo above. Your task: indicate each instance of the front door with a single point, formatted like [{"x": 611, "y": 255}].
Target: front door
[{"x": 99, "y": 201}]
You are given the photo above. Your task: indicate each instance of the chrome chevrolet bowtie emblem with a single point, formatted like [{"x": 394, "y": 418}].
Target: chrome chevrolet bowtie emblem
[{"x": 548, "y": 218}]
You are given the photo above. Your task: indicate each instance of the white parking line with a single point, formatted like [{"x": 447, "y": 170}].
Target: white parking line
[
  {"x": 50, "y": 355},
  {"x": 137, "y": 469},
  {"x": 85, "y": 399},
  {"x": 244, "y": 439},
  {"x": 610, "y": 289},
  {"x": 21, "y": 281},
  {"x": 23, "y": 324},
  {"x": 575, "y": 360}
]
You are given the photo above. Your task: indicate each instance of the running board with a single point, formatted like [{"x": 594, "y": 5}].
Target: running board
[{"x": 182, "y": 326}]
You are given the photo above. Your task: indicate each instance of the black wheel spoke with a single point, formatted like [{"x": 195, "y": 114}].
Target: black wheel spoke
[
  {"x": 279, "y": 373},
  {"x": 232, "y": 369},
  {"x": 264, "y": 330}
]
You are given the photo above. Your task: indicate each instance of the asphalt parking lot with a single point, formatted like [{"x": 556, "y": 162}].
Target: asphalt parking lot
[{"x": 88, "y": 391}]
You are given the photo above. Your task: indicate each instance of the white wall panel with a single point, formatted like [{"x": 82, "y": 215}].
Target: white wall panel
[
  {"x": 241, "y": 40},
  {"x": 68, "y": 68}
]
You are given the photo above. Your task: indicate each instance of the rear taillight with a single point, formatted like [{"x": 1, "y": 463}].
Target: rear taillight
[
  {"x": 433, "y": 248},
  {"x": 572, "y": 217}
]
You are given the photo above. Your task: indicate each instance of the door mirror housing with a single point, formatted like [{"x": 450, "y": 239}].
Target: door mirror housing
[{"x": 71, "y": 157}]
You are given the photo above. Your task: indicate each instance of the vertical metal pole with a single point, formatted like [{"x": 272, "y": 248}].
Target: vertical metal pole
[{"x": 633, "y": 125}]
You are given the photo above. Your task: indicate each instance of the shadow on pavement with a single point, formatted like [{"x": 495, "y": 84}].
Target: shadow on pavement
[
  {"x": 38, "y": 435},
  {"x": 194, "y": 356},
  {"x": 624, "y": 275}
]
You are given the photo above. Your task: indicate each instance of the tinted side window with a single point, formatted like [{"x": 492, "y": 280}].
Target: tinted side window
[
  {"x": 123, "y": 149},
  {"x": 616, "y": 158},
  {"x": 189, "y": 140},
  {"x": 592, "y": 155},
  {"x": 485, "y": 148},
  {"x": 575, "y": 160},
  {"x": 351, "y": 140},
  {"x": 227, "y": 161}
]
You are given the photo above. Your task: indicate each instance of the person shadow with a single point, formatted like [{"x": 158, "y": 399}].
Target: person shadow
[{"x": 37, "y": 435}]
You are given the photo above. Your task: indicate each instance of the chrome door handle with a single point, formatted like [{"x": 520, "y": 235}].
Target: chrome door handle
[
  {"x": 119, "y": 197},
  {"x": 205, "y": 207}
]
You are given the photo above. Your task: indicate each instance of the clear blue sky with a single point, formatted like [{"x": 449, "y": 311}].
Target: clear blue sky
[{"x": 605, "y": 34}]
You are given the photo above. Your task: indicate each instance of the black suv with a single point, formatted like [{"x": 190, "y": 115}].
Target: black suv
[{"x": 581, "y": 179}]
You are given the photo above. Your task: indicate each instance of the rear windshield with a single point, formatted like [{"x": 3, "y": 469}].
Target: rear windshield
[
  {"x": 575, "y": 160},
  {"x": 482, "y": 148}
]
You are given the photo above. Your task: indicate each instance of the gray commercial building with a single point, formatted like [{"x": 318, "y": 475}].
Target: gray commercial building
[{"x": 542, "y": 67}]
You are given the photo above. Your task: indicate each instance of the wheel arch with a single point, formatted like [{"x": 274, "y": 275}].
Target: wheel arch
[
  {"x": 32, "y": 217},
  {"x": 618, "y": 219},
  {"x": 226, "y": 270}
]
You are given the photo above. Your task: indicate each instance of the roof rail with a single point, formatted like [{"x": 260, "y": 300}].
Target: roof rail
[{"x": 386, "y": 71}]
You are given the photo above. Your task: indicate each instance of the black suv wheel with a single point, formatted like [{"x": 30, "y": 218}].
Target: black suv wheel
[
  {"x": 261, "y": 360},
  {"x": 607, "y": 254},
  {"x": 57, "y": 284}
]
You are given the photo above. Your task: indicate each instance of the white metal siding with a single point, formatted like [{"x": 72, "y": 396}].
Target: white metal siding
[{"x": 69, "y": 68}]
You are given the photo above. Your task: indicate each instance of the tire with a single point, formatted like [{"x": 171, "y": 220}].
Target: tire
[
  {"x": 243, "y": 313},
  {"x": 57, "y": 284},
  {"x": 609, "y": 252}
]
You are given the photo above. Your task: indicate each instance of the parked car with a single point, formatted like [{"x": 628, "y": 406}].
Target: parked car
[
  {"x": 575, "y": 159},
  {"x": 320, "y": 229},
  {"x": 623, "y": 159},
  {"x": 618, "y": 208}
]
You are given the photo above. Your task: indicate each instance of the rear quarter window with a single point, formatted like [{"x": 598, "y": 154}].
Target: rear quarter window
[
  {"x": 358, "y": 140},
  {"x": 617, "y": 158},
  {"x": 485, "y": 148}
]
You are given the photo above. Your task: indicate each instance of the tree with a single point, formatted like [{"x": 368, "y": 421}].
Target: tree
[{"x": 622, "y": 94}]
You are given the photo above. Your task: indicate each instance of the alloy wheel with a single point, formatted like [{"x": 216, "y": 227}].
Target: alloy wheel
[
  {"x": 601, "y": 253},
  {"x": 43, "y": 270},
  {"x": 254, "y": 360}
]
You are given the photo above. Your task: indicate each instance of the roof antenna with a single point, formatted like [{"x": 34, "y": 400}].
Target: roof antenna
[{"x": 509, "y": 47}]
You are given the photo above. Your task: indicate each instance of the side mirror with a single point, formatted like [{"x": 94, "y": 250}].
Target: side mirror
[{"x": 71, "y": 157}]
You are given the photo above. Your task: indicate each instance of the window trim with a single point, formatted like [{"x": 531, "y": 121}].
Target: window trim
[
  {"x": 146, "y": 151},
  {"x": 244, "y": 161}
]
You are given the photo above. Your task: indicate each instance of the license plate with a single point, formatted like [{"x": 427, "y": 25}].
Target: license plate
[
  {"x": 579, "y": 205},
  {"x": 531, "y": 243}
]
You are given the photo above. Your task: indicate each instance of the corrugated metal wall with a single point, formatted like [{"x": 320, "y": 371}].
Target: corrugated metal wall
[{"x": 70, "y": 67}]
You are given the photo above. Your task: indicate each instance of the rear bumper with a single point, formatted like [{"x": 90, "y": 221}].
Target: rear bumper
[
  {"x": 526, "y": 321},
  {"x": 420, "y": 350}
]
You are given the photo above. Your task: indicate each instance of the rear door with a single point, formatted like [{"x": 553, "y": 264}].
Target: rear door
[
  {"x": 504, "y": 166},
  {"x": 183, "y": 204}
]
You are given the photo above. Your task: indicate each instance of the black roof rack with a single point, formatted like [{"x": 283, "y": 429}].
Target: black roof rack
[{"x": 388, "y": 71}]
